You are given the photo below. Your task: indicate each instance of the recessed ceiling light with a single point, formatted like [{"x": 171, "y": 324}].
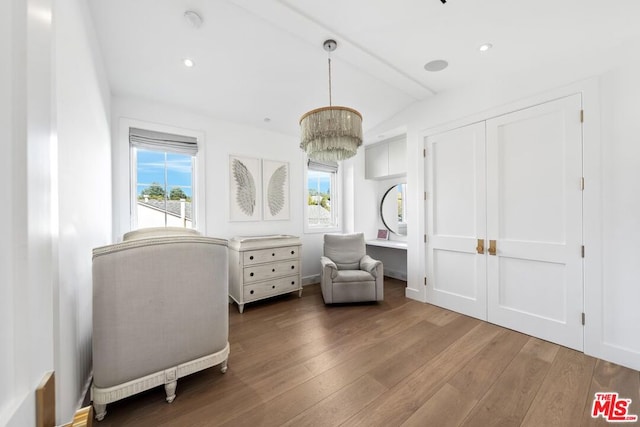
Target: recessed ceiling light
[
  {"x": 437, "y": 65},
  {"x": 485, "y": 47},
  {"x": 188, "y": 63}
]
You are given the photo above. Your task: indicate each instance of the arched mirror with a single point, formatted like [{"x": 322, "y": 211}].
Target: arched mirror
[{"x": 393, "y": 209}]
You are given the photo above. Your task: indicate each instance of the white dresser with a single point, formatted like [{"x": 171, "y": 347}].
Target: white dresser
[{"x": 263, "y": 266}]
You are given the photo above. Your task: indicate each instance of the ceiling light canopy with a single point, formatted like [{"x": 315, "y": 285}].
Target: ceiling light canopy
[
  {"x": 188, "y": 62},
  {"x": 331, "y": 133}
]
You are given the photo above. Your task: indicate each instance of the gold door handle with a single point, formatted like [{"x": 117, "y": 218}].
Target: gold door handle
[
  {"x": 480, "y": 247},
  {"x": 492, "y": 247}
]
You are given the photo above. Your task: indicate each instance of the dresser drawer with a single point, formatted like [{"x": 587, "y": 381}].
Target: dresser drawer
[
  {"x": 257, "y": 273},
  {"x": 272, "y": 287},
  {"x": 268, "y": 255}
]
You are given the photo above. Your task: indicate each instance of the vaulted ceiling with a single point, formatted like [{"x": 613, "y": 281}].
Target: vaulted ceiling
[{"x": 261, "y": 62}]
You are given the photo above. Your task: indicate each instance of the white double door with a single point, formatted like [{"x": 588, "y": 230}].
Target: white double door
[{"x": 504, "y": 221}]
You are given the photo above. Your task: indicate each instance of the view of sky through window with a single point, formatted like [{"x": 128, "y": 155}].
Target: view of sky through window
[{"x": 151, "y": 169}]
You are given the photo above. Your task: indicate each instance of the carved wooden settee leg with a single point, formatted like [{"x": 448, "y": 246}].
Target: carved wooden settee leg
[
  {"x": 170, "y": 389},
  {"x": 101, "y": 410},
  {"x": 170, "y": 383},
  {"x": 223, "y": 367}
]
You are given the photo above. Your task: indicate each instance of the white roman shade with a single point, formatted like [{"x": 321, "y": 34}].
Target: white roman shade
[
  {"x": 160, "y": 141},
  {"x": 317, "y": 165}
]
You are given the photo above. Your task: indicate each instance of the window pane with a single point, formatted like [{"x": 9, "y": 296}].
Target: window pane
[
  {"x": 150, "y": 173},
  {"x": 320, "y": 186},
  {"x": 164, "y": 189}
]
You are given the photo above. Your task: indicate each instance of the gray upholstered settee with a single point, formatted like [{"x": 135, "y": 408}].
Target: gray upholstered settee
[
  {"x": 160, "y": 312},
  {"x": 348, "y": 274}
]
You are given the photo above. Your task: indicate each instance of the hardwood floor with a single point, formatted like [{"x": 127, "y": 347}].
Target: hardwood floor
[{"x": 296, "y": 362}]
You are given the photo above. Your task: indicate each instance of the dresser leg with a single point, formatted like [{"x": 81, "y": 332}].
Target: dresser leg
[
  {"x": 240, "y": 308},
  {"x": 300, "y": 293},
  {"x": 223, "y": 367}
]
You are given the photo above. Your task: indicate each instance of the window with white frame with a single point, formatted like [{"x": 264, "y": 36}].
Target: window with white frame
[
  {"x": 321, "y": 209},
  {"x": 162, "y": 171}
]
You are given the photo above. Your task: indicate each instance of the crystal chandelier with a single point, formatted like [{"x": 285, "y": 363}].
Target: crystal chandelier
[{"x": 331, "y": 133}]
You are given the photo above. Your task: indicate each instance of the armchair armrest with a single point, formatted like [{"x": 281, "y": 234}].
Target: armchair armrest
[
  {"x": 370, "y": 265},
  {"x": 329, "y": 267}
]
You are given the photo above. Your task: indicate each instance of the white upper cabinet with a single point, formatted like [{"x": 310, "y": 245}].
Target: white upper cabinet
[{"x": 386, "y": 159}]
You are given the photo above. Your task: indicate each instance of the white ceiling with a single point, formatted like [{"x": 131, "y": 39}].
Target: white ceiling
[{"x": 264, "y": 58}]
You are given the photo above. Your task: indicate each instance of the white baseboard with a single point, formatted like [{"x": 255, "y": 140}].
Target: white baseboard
[
  {"x": 413, "y": 294},
  {"x": 395, "y": 274},
  {"x": 310, "y": 280}
]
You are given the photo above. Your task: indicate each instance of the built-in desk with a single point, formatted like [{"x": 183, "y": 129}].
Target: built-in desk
[
  {"x": 395, "y": 244},
  {"x": 393, "y": 254}
]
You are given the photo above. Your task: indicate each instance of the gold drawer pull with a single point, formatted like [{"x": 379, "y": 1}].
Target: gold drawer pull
[{"x": 480, "y": 247}]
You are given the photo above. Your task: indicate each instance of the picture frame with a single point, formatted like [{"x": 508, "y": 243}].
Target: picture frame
[
  {"x": 245, "y": 188},
  {"x": 275, "y": 194},
  {"x": 383, "y": 234}
]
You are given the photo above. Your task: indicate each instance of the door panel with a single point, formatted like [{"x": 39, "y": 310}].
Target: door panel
[
  {"x": 449, "y": 278},
  {"x": 522, "y": 282},
  {"x": 456, "y": 218},
  {"x": 534, "y": 212}
]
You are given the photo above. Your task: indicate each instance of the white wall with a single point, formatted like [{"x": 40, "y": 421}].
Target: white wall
[
  {"x": 83, "y": 194},
  {"x": 6, "y": 217},
  {"x": 221, "y": 140},
  {"x": 614, "y": 305},
  {"x": 26, "y": 309},
  {"x": 611, "y": 203},
  {"x": 56, "y": 172}
]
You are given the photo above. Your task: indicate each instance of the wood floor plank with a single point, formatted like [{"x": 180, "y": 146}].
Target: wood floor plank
[
  {"x": 560, "y": 399},
  {"x": 423, "y": 351},
  {"x": 297, "y": 361},
  {"x": 401, "y": 401},
  {"x": 288, "y": 405},
  {"x": 341, "y": 405},
  {"x": 448, "y": 407},
  {"x": 477, "y": 376},
  {"x": 395, "y": 323},
  {"x": 441, "y": 317},
  {"x": 508, "y": 400}
]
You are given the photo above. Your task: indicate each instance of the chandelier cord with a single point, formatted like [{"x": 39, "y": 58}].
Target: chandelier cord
[{"x": 330, "y": 82}]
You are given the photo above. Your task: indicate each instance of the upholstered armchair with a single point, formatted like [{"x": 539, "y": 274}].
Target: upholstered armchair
[{"x": 348, "y": 273}]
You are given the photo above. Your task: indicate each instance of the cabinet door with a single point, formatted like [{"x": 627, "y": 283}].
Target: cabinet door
[
  {"x": 534, "y": 213},
  {"x": 376, "y": 161},
  {"x": 456, "y": 218},
  {"x": 398, "y": 157}
]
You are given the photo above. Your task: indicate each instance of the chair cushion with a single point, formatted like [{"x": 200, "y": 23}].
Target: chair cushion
[
  {"x": 345, "y": 250},
  {"x": 353, "y": 276}
]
